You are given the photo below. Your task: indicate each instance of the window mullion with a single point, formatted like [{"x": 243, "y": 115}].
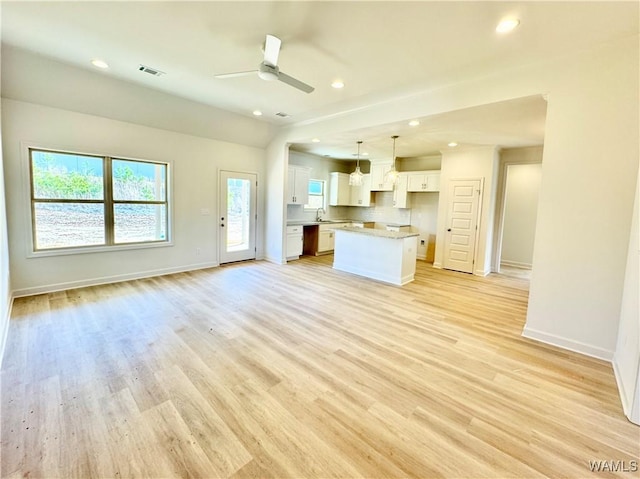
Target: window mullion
[{"x": 109, "y": 229}]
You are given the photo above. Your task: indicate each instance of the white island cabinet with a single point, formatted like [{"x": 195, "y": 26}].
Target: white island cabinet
[{"x": 388, "y": 256}]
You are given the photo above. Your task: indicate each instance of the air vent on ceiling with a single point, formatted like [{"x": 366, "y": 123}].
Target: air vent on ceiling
[
  {"x": 150, "y": 71},
  {"x": 283, "y": 114}
]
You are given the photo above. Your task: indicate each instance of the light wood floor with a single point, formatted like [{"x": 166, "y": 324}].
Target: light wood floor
[{"x": 300, "y": 371}]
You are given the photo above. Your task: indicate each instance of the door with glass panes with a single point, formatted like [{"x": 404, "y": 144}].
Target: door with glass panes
[{"x": 237, "y": 217}]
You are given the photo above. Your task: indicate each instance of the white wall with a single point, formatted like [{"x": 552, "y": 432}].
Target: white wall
[
  {"x": 470, "y": 163},
  {"x": 33, "y": 78},
  {"x": 588, "y": 180},
  {"x": 520, "y": 214},
  {"x": 321, "y": 169},
  {"x": 5, "y": 278},
  {"x": 626, "y": 360},
  {"x": 195, "y": 163},
  {"x": 590, "y": 165}
]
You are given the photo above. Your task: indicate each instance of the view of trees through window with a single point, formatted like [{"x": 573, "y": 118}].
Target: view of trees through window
[
  {"x": 81, "y": 200},
  {"x": 316, "y": 195}
]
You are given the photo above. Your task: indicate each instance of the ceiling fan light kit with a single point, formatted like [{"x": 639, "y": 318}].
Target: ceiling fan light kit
[{"x": 268, "y": 69}]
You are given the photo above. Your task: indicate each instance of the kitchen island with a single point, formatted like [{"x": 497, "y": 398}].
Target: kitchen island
[{"x": 388, "y": 256}]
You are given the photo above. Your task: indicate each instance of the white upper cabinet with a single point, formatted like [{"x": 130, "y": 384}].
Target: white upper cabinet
[
  {"x": 418, "y": 181},
  {"x": 378, "y": 173},
  {"x": 298, "y": 183},
  {"x": 400, "y": 196},
  {"x": 342, "y": 194},
  {"x": 361, "y": 195},
  {"x": 339, "y": 190}
]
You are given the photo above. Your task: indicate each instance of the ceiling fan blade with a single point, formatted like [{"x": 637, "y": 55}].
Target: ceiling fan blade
[
  {"x": 283, "y": 77},
  {"x": 272, "y": 50},
  {"x": 235, "y": 74}
]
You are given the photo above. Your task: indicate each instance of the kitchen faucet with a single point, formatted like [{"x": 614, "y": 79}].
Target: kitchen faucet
[{"x": 318, "y": 217}]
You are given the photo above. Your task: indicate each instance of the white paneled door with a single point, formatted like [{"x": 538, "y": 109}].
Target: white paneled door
[
  {"x": 237, "y": 216},
  {"x": 462, "y": 225}
]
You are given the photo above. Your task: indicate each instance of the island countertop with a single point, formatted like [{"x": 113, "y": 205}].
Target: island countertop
[{"x": 379, "y": 233}]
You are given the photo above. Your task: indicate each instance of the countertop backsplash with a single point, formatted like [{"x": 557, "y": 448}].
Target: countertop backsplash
[{"x": 381, "y": 212}]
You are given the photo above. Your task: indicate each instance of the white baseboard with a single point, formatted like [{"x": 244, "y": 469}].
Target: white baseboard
[
  {"x": 571, "y": 345},
  {"x": 626, "y": 405},
  {"x": 274, "y": 259},
  {"x": 50, "y": 288},
  {"x": 5, "y": 329},
  {"x": 628, "y": 401},
  {"x": 515, "y": 264},
  {"x": 437, "y": 265},
  {"x": 481, "y": 272}
]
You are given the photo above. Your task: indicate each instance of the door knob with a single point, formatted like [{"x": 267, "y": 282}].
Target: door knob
[
  {"x": 222, "y": 225},
  {"x": 449, "y": 229}
]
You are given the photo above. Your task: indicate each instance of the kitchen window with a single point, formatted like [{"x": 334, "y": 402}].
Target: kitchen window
[
  {"x": 316, "y": 195},
  {"x": 81, "y": 202}
]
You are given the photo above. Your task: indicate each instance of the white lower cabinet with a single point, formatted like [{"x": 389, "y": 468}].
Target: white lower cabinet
[
  {"x": 327, "y": 236},
  {"x": 325, "y": 241},
  {"x": 294, "y": 242}
]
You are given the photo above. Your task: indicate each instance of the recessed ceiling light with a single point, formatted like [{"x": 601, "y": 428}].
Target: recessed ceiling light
[
  {"x": 96, "y": 62},
  {"x": 338, "y": 84},
  {"x": 505, "y": 26},
  {"x": 453, "y": 144},
  {"x": 414, "y": 123},
  {"x": 316, "y": 140},
  {"x": 365, "y": 154},
  {"x": 257, "y": 112}
]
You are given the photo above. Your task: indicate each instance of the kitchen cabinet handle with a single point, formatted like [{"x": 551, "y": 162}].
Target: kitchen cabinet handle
[{"x": 449, "y": 229}]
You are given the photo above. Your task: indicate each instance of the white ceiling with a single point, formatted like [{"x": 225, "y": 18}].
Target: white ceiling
[
  {"x": 514, "y": 123},
  {"x": 380, "y": 50}
]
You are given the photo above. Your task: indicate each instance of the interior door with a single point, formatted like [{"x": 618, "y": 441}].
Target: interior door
[
  {"x": 462, "y": 221},
  {"x": 237, "y": 216}
]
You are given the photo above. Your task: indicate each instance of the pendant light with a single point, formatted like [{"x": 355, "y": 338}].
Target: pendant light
[
  {"x": 355, "y": 178},
  {"x": 392, "y": 174}
]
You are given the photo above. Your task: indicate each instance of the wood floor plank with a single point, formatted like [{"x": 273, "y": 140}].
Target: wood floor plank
[{"x": 258, "y": 370}]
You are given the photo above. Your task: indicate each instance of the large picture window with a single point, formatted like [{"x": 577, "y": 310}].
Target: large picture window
[{"x": 84, "y": 200}]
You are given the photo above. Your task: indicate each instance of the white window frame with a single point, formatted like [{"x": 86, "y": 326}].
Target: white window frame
[
  {"x": 33, "y": 252},
  {"x": 324, "y": 195}
]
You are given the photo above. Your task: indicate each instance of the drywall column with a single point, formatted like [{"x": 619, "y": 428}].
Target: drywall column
[
  {"x": 470, "y": 163},
  {"x": 626, "y": 360},
  {"x": 590, "y": 165},
  {"x": 276, "y": 205},
  {"x": 5, "y": 279}
]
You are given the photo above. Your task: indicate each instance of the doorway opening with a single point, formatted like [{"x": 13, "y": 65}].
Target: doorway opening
[{"x": 518, "y": 208}]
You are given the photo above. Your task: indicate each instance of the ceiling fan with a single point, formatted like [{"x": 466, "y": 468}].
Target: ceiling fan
[{"x": 268, "y": 68}]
